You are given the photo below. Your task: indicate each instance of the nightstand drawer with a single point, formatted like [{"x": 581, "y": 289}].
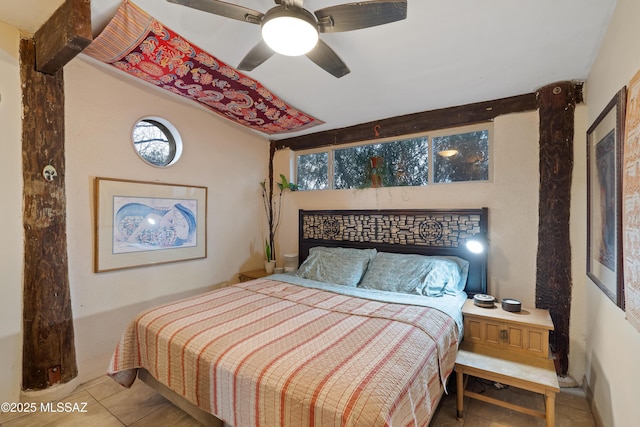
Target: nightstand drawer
[{"x": 526, "y": 332}]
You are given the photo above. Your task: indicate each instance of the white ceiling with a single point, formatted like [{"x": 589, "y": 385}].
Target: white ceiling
[{"x": 446, "y": 53}]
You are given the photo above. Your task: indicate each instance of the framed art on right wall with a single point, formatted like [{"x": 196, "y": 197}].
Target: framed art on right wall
[
  {"x": 604, "y": 199},
  {"x": 631, "y": 203}
]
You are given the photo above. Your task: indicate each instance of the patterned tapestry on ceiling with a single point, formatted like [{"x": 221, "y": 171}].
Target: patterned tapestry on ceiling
[
  {"x": 139, "y": 45},
  {"x": 631, "y": 204}
]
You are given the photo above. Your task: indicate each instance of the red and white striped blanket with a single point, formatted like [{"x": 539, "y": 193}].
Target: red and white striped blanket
[{"x": 270, "y": 353}]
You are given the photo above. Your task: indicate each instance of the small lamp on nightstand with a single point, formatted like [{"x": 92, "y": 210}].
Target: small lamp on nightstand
[{"x": 477, "y": 244}]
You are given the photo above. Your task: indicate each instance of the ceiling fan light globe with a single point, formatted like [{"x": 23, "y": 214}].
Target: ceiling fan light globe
[{"x": 289, "y": 33}]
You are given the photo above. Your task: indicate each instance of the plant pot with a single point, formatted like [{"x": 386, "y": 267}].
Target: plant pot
[
  {"x": 377, "y": 162},
  {"x": 269, "y": 266}
]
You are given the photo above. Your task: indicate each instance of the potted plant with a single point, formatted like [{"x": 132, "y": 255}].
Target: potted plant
[
  {"x": 269, "y": 262},
  {"x": 376, "y": 164},
  {"x": 273, "y": 209}
]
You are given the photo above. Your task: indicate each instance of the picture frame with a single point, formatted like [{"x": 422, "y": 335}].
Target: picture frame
[
  {"x": 630, "y": 199},
  {"x": 139, "y": 223},
  {"x": 604, "y": 199}
]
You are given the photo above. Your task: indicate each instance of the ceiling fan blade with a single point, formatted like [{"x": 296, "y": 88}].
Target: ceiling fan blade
[
  {"x": 256, "y": 56},
  {"x": 222, "y": 8},
  {"x": 328, "y": 60},
  {"x": 290, "y": 3},
  {"x": 354, "y": 16}
]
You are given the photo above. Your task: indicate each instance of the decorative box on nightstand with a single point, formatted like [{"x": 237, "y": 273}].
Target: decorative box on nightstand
[
  {"x": 245, "y": 276},
  {"x": 509, "y": 348}
]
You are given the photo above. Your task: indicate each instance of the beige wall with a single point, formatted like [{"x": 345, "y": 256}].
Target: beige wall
[
  {"x": 10, "y": 217},
  {"x": 612, "y": 344},
  {"x": 577, "y": 227},
  {"x": 101, "y": 109},
  {"x": 511, "y": 196}
]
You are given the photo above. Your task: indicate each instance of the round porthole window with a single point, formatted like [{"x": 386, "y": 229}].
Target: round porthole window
[{"x": 157, "y": 141}]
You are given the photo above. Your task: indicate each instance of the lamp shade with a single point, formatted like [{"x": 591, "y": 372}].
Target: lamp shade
[
  {"x": 477, "y": 244},
  {"x": 290, "y": 32}
]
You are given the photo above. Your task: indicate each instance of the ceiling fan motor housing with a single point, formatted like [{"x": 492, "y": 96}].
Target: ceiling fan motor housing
[{"x": 290, "y": 31}]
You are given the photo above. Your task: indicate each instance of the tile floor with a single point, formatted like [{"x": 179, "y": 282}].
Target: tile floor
[
  {"x": 572, "y": 409},
  {"x": 108, "y": 404}
]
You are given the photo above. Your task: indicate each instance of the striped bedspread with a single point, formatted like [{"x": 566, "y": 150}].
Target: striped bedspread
[{"x": 271, "y": 353}]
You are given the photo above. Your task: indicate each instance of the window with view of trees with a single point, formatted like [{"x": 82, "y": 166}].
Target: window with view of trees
[
  {"x": 461, "y": 157},
  {"x": 391, "y": 164},
  {"x": 313, "y": 171},
  {"x": 414, "y": 161},
  {"x": 156, "y": 141}
]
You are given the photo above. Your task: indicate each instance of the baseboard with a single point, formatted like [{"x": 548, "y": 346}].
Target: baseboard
[
  {"x": 51, "y": 394},
  {"x": 594, "y": 409}
]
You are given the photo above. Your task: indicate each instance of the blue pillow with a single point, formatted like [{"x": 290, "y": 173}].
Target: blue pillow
[
  {"x": 369, "y": 254},
  {"x": 331, "y": 267},
  {"x": 455, "y": 289},
  {"x": 411, "y": 274}
]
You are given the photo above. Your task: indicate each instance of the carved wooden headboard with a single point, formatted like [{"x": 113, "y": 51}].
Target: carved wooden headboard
[{"x": 426, "y": 232}]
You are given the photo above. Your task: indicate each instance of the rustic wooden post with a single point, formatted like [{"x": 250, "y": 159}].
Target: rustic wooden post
[
  {"x": 48, "y": 349},
  {"x": 556, "y": 105},
  {"x": 49, "y": 355}
]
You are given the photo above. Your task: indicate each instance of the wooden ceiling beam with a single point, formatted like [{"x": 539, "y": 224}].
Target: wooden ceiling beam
[
  {"x": 63, "y": 36},
  {"x": 413, "y": 123}
]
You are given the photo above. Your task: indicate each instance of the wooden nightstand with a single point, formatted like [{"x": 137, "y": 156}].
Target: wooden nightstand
[
  {"x": 509, "y": 348},
  {"x": 525, "y": 333},
  {"x": 245, "y": 276}
]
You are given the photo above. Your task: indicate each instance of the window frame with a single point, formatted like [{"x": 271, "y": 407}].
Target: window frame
[
  {"x": 329, "y": 152},
  {"x": 171, "y": 133},
  {"x": 459, "y": 131},
  {"x": 330, "y": 149}
]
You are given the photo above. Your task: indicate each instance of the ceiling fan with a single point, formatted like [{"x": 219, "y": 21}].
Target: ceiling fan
[{"x": 289, "y": 29}]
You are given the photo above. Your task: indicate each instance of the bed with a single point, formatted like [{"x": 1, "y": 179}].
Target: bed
[{"x": 334, "y": 343}]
